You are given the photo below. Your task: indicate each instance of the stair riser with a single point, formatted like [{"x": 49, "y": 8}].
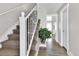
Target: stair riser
[
  {"x": 17, "y": 27},
  {"x": 15, "y": 32},
  {"x": 13, "y": 37}
]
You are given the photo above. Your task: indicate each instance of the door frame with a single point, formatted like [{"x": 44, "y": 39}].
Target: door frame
[{"x": 61, "y": 14}]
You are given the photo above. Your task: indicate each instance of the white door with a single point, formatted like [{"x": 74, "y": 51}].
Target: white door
[{"x": 65, "y": 28}]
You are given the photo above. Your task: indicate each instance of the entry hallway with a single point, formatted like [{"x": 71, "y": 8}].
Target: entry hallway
[{"x": 52, "y": 49}]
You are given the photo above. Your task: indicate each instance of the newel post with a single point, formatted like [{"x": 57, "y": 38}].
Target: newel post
[{"x": 23, "y": 35}]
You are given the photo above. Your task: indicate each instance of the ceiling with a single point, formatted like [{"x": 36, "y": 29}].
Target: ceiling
[
  {"x": 50, "y": 8},
  {"x": 7, "y": 6}
]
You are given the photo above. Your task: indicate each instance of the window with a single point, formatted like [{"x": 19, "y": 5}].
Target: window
[
  {"x": 49, "y": 23},
  {"x": 49, "y": 18}
]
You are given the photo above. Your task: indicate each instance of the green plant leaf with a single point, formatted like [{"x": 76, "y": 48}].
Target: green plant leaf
[{"x": 44, "y": 33}]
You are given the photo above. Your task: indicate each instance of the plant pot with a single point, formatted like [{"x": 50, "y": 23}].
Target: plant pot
[{"x": 43, "y": 43}]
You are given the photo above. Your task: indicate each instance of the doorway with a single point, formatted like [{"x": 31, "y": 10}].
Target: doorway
[{"x": 65, "y": 27}]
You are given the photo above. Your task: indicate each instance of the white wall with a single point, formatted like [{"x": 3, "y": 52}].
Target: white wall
[
  {"x": 11, "y": 16},
  {"x": 62, "y": 27},
  {"x": 59, "y": 27},
  {"x": 74, "y": 28},
  {"x": 42, "y": 16}
]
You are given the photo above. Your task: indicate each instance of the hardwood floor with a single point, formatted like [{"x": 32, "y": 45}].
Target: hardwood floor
[{"x": 52, "y": 49}]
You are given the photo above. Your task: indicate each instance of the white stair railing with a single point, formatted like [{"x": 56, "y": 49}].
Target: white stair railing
[{"x": 24, "y": 50}]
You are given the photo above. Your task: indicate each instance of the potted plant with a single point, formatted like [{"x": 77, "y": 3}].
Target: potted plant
[{"x": 44, "y": 34}]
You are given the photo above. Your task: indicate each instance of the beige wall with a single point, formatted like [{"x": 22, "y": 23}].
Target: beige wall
[{"x": 74, "y": 28}]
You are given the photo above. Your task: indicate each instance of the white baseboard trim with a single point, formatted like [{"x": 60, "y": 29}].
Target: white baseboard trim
[
  {"x": 56, "y": 40},
  {"x": 70, "y": 53},
  {"x": 59, "y": 42},
  {"x": 4, "y": 37}
]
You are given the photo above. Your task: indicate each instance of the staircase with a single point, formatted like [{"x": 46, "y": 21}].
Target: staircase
[
  {"x": 32, "y": 51},
  {"x": 28, "y": 33},
  {"x": 23, "y": 41},
  {"x": 11, "y": 46},
  {"x": 35, "y": 41}
]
